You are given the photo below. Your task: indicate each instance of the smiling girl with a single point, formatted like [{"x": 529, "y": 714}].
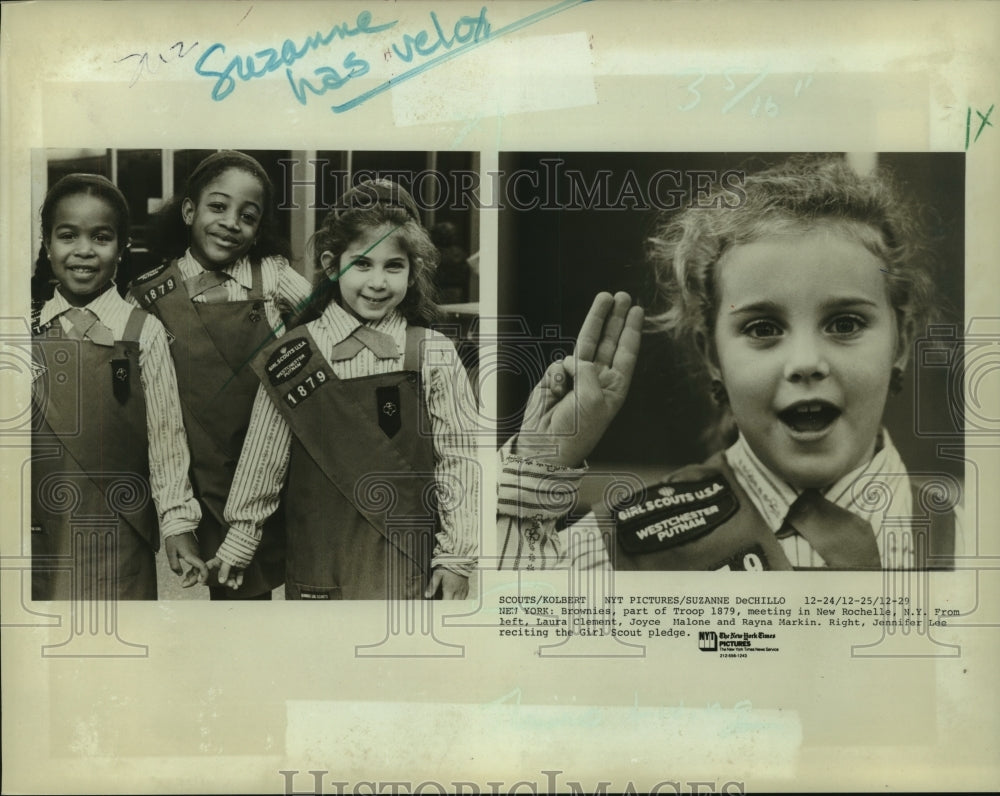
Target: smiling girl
[
  {"x": 109, "y": 449},
  {"x": 802, "y": 305},
  {"x": 362, "y": 418},
  {"x": 219, "y": 292}
]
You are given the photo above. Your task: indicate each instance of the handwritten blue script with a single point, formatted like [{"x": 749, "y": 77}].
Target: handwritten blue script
[
  {"x": 425, "y": 49},
  {"x": 482, "y": 34},
  {"x": 263, "y": 62}
]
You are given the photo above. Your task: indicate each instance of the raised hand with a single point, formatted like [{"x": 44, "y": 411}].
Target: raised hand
[{"x": 575, "y": 401}]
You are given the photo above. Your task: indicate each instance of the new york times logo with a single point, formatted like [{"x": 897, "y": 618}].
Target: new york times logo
[{"x": 734, "y": 644}]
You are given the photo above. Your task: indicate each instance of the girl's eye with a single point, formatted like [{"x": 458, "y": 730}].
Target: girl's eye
[
  {"x": 396, "y": 267},
  {"x": 218, "y": 207},
  {"x": 846, "y": 325},
  {"x": 761, "y": 329},
  {"x": 249, "y": 218}
]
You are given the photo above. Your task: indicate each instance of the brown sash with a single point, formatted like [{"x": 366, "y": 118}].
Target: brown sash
[
  {"x": 213, "y": 346},
  {"x": 92, "y": 462},
  {"x": 374, "y": 530}
]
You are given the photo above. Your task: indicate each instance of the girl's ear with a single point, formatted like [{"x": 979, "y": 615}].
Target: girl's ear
[
  {"x": 706, "y": 350},
  {"x": 187, "y": 211},
  {"x": 329, "y": 262},
  {"x": 903, "y": 345},
  {"x": 903, "y": 349}
]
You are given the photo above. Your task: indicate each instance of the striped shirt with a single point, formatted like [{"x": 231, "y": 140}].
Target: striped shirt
[
  {"x": 448, "y": 397},
  {"x": 532, "y": 497},
  {"x": 281, "y": 281},
  {"x": 176, "y": 508},
  {"x": 874, "y": 491}
]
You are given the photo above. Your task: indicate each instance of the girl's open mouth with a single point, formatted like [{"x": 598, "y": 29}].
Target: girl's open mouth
[{"x": 809, "y": 416}]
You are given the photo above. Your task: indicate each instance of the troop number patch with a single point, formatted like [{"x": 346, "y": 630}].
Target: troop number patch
[
  {"x": 749, "y": 559},
  {"x": 306, "y": 387},
  {"x": 149, "y": 296}
]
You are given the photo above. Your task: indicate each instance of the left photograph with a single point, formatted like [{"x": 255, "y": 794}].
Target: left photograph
[{"x": 254, "y": 375}]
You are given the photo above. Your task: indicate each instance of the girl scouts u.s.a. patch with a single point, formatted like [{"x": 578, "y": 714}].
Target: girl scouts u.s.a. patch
[{"x": 669, "y": 514}]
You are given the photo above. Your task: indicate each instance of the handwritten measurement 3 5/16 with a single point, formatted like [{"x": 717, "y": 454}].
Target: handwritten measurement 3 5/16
[{"x": 737, "y": 90}]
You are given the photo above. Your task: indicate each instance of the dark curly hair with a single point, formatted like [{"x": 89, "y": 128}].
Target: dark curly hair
[
  {"x": 43, "y": 281},
  {"x": 365, "y": 207},
  {"x": 169, "y": 236}
]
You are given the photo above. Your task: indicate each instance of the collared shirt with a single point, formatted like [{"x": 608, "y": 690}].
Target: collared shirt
[
  {"x": 874, "y": 491},
  {"x": 169, "y": 460},
  {"x": 280, "y": 281},
  {"x": 263, "y": 464},
  {"x": 532, "y": 497}
]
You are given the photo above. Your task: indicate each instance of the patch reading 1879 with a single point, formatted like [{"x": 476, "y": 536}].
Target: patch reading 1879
[
  {"x": 306, "y": 387},
  {"x": 149, "y": 296}
]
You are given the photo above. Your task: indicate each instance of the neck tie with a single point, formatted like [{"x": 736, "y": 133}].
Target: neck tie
[
  {"x": 380, "y": 344},
  {"x": 842, "y": 540},
  {"x": 84, "y": 323},
  {"x": 210, "y": 285}
]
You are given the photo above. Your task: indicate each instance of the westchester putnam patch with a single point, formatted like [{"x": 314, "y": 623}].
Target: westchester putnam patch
[
  {"x": 670, "y": 514},
  {"x": 288, "y": 360}
]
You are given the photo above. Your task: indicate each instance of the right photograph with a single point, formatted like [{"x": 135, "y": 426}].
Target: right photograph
[{"x": 731, "y": 361}]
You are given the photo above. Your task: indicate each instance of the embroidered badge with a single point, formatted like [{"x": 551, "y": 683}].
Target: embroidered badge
[
  {"x": 149, "y": 296},
  {"x": 387, "y": 402},
  {"x": 151, "y": 274},
  {"x": 119, "y": 379},
  {"x": 749, "y": 559},
  {"x": 288, "y": 360},
  {"x": 667, "y": 515}
]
